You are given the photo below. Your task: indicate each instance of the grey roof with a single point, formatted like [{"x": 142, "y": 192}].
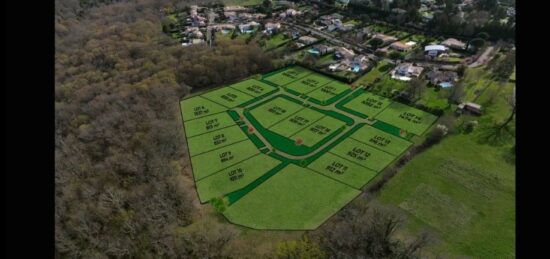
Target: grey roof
[{"x": 435, "y": 47}]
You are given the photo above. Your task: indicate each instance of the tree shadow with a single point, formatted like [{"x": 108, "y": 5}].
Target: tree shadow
[{"x": 496, "y": 135}]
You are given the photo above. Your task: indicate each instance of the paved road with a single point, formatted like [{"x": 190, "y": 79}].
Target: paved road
[
  {"x": 329, "y": 37},
  {"x": 483, "y": 58}
]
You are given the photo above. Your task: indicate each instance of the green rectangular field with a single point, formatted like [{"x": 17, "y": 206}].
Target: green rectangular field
[
  {"x": 210, "y": 162},
  {"x": 286, "y": 76},
  {"x": 215, "y": 139},
  {"x": 408, "y": 118},
  {"x": 308, "y": 83},
  {"x": 368, "y": 104},
  {"x": 319, "y": 130},
  {"x": 208, "y": 124},
  {"x": 196, "y": 107},
  {"x": 274, "y": 111},
  {"x": 234, "y": 177},
  {"x": 227, "y": 97},
  {"x": 363, "y": 154},
  {"x": 342, "y": 170},
  {"x": 296, "y": 122},
  {"x": 293, "y": 199},
  {"x": 381, "y": 140},
  {"x": 328, "y": 91},
  {"x": 253, "y": 87}
]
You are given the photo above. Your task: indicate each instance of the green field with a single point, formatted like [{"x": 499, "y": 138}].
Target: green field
[
  {"x": 367, "y": 104},
  {"x": 294, "y": 198},
  {"x": 363, "y": 154},
  {"x": 318, "y": 130},
  {"x": 274, "y": 111},
  {"x": 342, "y": 170},
  {"x": 234, "y": 177},
  {"x": 253, "y": 87},
  {"x": 296, "y": 122},
  {"x": 465, "y": 193},
  {"x": 381, "y": 68},
  {"x": 287, "y": 75},
  {"x": 227, "y": 97},
  {"x": 216, "y": 139},
  {"x": 308, "y": 83},
  {"x": 329, "y": 93},
  {"x": 210, "y": 162},
  {"x": 208, "y": 124},
  {"x": 381, "y": 140},
  {"x": 197, "y": 107},
  {"x": 406, "y": 117}
]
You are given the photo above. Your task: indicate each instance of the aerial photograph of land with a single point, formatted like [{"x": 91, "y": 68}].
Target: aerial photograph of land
[{"x": 285, "y": 129}]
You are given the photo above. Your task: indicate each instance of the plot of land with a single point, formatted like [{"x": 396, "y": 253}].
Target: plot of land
[
  {"x": 207, "y": 124},
  {"x": 280, "y": 152},
  {"x": 367, "y": 104},
  {"x": 274, "y": 111},
  {"x": 329, "y": 92},
  {"x": 381, "y": 140},
  {"x": 234, "y": 177},
  {"x": 296, "y": 122},
  {"x": 319, "y": 130},
  {"x": 216, "y": 139},
  {"x": 254, "y": 87},
  {"x": 197, "y": 107},
  {"x": 227, "y": 97},
  {"x": 363, "y": 154},
  {"x": 308, "y": 83},
  {"x": 408, "y": 118},
  {"x": 286, "y": 76},
  {"x": 294, "y": 198},
  {"x": 343, "y": 170},
  {"x": 216, "y": 160}
]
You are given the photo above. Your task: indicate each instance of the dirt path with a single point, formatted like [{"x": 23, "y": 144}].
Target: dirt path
[{"x": 483, "y": 58}]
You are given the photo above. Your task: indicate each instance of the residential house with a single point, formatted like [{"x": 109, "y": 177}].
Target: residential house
[
  {"x": 272, "y": 27},
  {"x": 406, "y": 71},
  {"x": 248, "y": 27},
  {"x": 232, "y": 16},
  {"x": 344, "y": 53},
  {"x": 235, "y": 8},
  {"x": 442, "y": 78},
  {"x": 400, "y": 46},
  {"x": 386, "y": 39},
  {"x": 307, "y": 40},
  {"x": 454, "y": 44},
  {"x": 359, "y": 63},
  {"x": 435, "y": 50},
  {"x": 471, "y": 107},
  {"x": 322, "y": 49}
]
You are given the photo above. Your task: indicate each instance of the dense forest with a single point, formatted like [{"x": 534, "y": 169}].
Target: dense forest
[{"x": 123, "y": 184}]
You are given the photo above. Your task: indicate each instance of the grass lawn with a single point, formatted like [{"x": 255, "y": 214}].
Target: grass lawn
[
  {"x": 275, "y": 41},
  {"x": 216, "y": 160},
  {"x": 377, "y": 28},
  {"x": 382, "y": 67},
  {"x": 462, "y": 191},
  {"x": 398, "y": 34},
  {"x": 294, "y": 198},
  {"x": 333, "y": 89},
  {"x": 234, "y": 177},
  {"x": 323, "y": 60},
  {"x": 435, "y": 99},
  {"x": 405, "y": 117},
  {"x": 386, "y": 85}
]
